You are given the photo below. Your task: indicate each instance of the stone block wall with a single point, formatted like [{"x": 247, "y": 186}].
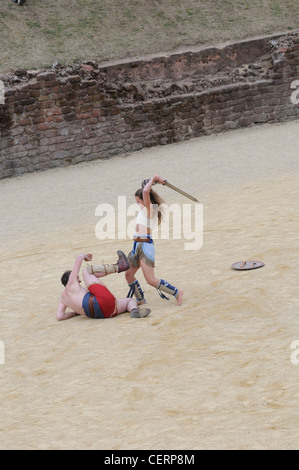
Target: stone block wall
[{"x": 82, "y": 112}]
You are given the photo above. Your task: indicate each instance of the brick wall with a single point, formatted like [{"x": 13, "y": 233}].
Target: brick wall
[{"x": 77, "y": 113}]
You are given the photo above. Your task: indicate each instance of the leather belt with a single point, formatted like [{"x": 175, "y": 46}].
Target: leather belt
[
  {"x": 90, "y": 305},
  {"x": 140, "y": 239}
]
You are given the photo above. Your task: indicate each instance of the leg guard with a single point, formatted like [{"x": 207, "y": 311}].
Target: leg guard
[
  {"x": 135, "y": 289},
  {"x": 168, "y": 288},
  {"x": 102, "y": 269},
  {"x": 120, "y": 266}
]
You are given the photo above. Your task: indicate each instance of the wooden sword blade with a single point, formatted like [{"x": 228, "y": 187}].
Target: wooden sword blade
[{"x": 171, "y": 186}]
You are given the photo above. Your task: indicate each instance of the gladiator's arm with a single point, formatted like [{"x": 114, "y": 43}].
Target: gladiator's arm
[
  {"x": 148, "y": 186},
  {"x": 61, "y": 313},
  {"x": 77, "y": 266}
]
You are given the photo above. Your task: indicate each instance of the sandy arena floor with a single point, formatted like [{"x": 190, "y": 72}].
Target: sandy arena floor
[{"x": 217, "y": 372}]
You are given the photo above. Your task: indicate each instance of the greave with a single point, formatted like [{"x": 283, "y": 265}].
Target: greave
[
  {"x": 168, "y": 288},
  {"x": 102, "y": 269},
  {"x": 120, "y": 266},
  {"x": 135, "y": 289}
]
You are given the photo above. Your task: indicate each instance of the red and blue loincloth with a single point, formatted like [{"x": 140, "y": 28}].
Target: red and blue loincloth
[{"x": 99, "y": 302}]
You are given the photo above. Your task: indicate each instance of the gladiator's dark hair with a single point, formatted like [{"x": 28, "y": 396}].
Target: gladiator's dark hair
[
  {"x": 65, "y": 277},
  {"x": 155, "y": 199}
]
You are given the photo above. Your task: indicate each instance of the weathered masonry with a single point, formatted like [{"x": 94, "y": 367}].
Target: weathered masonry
[{"x": 77, "y": 113}]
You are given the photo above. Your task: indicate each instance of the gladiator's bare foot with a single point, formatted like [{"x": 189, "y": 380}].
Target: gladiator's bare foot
[
  {"x": 122, "y": 262},
  {"x": 179, "y": 297}
]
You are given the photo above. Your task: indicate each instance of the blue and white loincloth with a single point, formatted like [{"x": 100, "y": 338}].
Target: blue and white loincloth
[{"x": 142, "y": 250}]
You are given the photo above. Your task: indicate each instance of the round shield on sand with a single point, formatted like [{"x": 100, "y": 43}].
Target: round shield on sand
[{"x": 247, "y": 265}]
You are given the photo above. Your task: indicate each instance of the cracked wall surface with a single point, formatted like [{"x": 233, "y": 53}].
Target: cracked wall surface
[{"x": 66, "y": 115}]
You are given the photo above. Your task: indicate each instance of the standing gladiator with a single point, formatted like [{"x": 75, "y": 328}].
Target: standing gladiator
[{"x": 143, "y": 252}]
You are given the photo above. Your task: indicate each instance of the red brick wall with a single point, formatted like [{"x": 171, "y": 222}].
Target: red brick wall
[{"x": 78, "y": 113}]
